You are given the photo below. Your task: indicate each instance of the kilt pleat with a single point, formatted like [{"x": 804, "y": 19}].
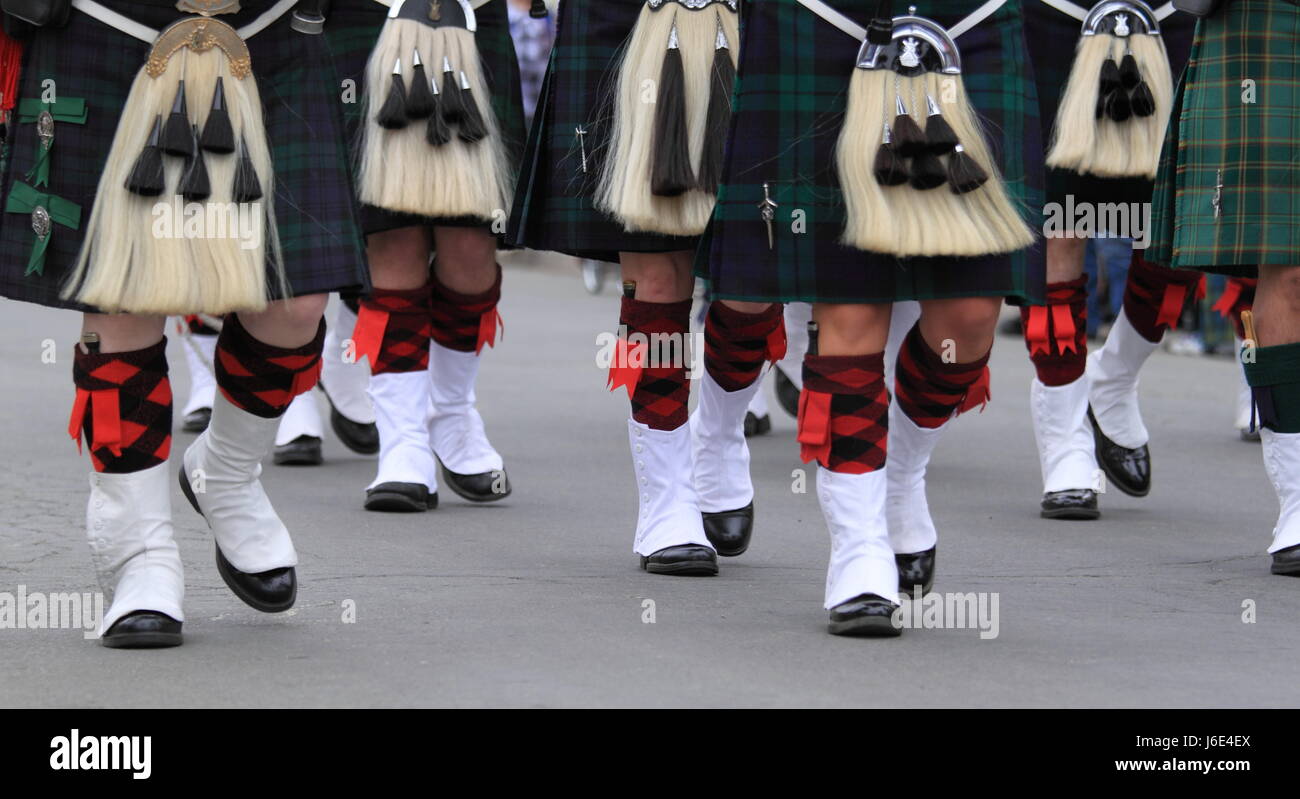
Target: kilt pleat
[
  {"x": 1231, "y": 146},
  {"x": 789, "y": 107},
  {"x": 351, "y": 33},
  {"x": 316, "y": 215},
  {"x": 554, "y": 206},
  {"x": 1052, "y": 37}
]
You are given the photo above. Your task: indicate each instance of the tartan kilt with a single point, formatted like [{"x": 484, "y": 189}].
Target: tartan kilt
[
  {"x": 316, "y": 215},
  {"x": 1052, "y": 37},
  {"x": 554, "y": 204},
  {"x": 1214, "y": 131},
  {"x": 353, "y": 27},
  {"x": 792, "y": 89}
]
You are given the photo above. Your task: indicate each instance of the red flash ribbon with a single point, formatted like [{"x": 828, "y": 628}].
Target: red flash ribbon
[
  {"x": 625, "y": 369},
  {"x": 1063, "y": 326},
  {"x": 487, "y": 329},
  {"x": 368, "y": 335},
  {"x": 776, "y": 342},
  {"x": 306, "y": 379},
  {"x": 978, "y": 393},
  {"x": 1171, "y": 306},
  {"x": 1036, "y": 331},
  {"x": 1228, "y": 300},
  {"x": 814, "y": 426},
  {"x": 106, "y": 415}
]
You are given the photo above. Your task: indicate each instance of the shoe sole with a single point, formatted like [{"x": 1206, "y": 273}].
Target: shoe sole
[
  {"x": 296, "y": 459},
  {"x": 868, "y": 627},
  {"x": 234, "y": 587},
  {"x": 393, "y": 502},
  {"x": 465, "y": 495},
  {"x": 1286, "y": 571},
  {"x": 141, "y": 641},
  {"x": 681, "y": 569},
  {"x": 347, "y": 440},
  {"x": 1072, "y": 514}
]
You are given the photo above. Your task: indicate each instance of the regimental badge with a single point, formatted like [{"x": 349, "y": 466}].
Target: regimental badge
[
  {"x": 208, "y": 8},
  {"x": 1121, "y": 25},
  {"x": 40, "y": 222},
  {"x": 45, "y": 128},
  {"x": 909, "y": 57},
  {"x": 199, "y": 35},
  {"x": 435, "y": 10}
]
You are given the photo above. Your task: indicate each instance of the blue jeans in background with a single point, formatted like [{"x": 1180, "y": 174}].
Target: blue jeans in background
[{"x": 1114, "y": 255}]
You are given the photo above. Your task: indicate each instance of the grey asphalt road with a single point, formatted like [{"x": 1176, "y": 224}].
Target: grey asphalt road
[{"x": 538, "y": 600}]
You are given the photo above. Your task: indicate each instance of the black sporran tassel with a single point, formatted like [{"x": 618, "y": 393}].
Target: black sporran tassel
[
  {"x": 889, "y": 168},
  {"x": 218, "y": 136},
  {"x": 1110, "y": 79},
  {"x": 718, "y": 120},
  {"x": 963, "y": 173},
  {"x": 420, "y": 102},
  {"x": 927, "y": 172},
  {"x": 247, "y": 187},
  {"x": 1129, "y": 74},
  {"x": 195, "y": 186},
  {"x": 1118, "y": 107},
  {"x": 436, "y": 133},
  {"x": 909, "y": 139},
  {"x": 146, "y": 178},
  {"x": 939, "y": 135},
  {"x": 453, "y": 105},
  {"x": 176, "y": 138},
  {"x": 1142, "y": 101},
  {"x": 670, "y": 170},
  {"x": 392, "y": 114},
  {"x": 472, "y": 127}
]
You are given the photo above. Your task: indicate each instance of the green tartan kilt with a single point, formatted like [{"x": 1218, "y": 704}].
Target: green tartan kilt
[
  {"x": 790, "y": 101},
  {"x": 353, "y": 27},
  {"x": 1228, "y": 194},
  {"x": 92, "y": 67}
]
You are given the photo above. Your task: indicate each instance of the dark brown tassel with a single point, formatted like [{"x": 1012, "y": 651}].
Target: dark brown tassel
[
  {"x": 218, "y": 136},
  {"x": 392, "y": 114},
  {"x": 939, "y": 135},
  {"x": 472, "y": 127},
  {"x": 719, "y": 117},
  {"x": 1109, "y": 76},
  {"x": 889, "y": 169},
  {"x": 670, "y": 154},
  {"x": 247, "y": 187},
  {"x": 909, "y": 139},
  {"x": 1129, "y": 74},
  {"x": 928, "y": 172},
  {"x": 176, "y": 139},
  {"x": 146, "y": 178},
  {"x": 436, "y": 132},
  {"x": 1142, "y": 101},
  {"x": 1118, "y": 107},
  {"x": 453, "y": 108},
  {"x": 963, "y": 173},
  {"x": 195, "y": 186},
  {"x": 419, "y": 103}
]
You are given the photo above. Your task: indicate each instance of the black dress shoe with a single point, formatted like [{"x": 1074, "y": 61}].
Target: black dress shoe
[
  {"x": 687, "y": 560},
  {"x": 302, "y": 451},
  {"x": 729, "y": 530},
  {"x": 143, "y": 629},
  {"x": 1128, "y": 469},
  {"x": 865, "y": 614},
  {"x": 401, "y": 498},
  {"x": 1287, "y": 561},
  {"x": 1073, "y": 503},
  {"x": 272, "y": 591},
  {"x": 481, "y": 487},
  {"x": 360, "y": 437},
  {"x": 915, "y": 569},
  {"x": 757, "y": 425},
  {"x": 787, "y": 396},
  {"x": 197, "y": 421}
]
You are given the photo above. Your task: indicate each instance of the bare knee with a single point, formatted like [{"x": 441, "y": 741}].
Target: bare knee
[
  {"x": 659, "y": 277},
  {"x": 123, "y": 332},
  {"x": 851, "y": 329},
  {"x": 968, "y": 322},
  {"x": 1283, "y": 283},
  {"x": 746, "y": 307},
  {"x": 399, "y": 259}
]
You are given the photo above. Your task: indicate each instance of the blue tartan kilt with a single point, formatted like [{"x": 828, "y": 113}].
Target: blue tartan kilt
[
  {"x": 793, "y": 84},
  {"x": 316, "y": 215}
]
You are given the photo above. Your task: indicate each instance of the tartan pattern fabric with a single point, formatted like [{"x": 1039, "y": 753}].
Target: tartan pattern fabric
[
  {"x": 844, "y": 412},
  {"x": 662, "y": 391},
  {"x": 736, "y": 343},
  {"x": 1056, "y": 334},
  {"x": 929, "y": 389},
  {"x": 315, "y": 212},
  {"x": 554, "y": 207},
  {"x": 1217, "y": 137},
  {"x": 260, "y": 378},
  {"x": 1052, "y": 37},
  {"x": 404, "y": 341},
  {"x": 351, "y": 31},
  {"x": 1154, "y": 295},
  {"x": 124, "y": 406},
  {"x": 465, "y": 322}
]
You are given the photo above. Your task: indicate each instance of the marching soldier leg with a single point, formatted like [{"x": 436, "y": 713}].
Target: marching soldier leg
[{"x": 345, "y": 382}]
